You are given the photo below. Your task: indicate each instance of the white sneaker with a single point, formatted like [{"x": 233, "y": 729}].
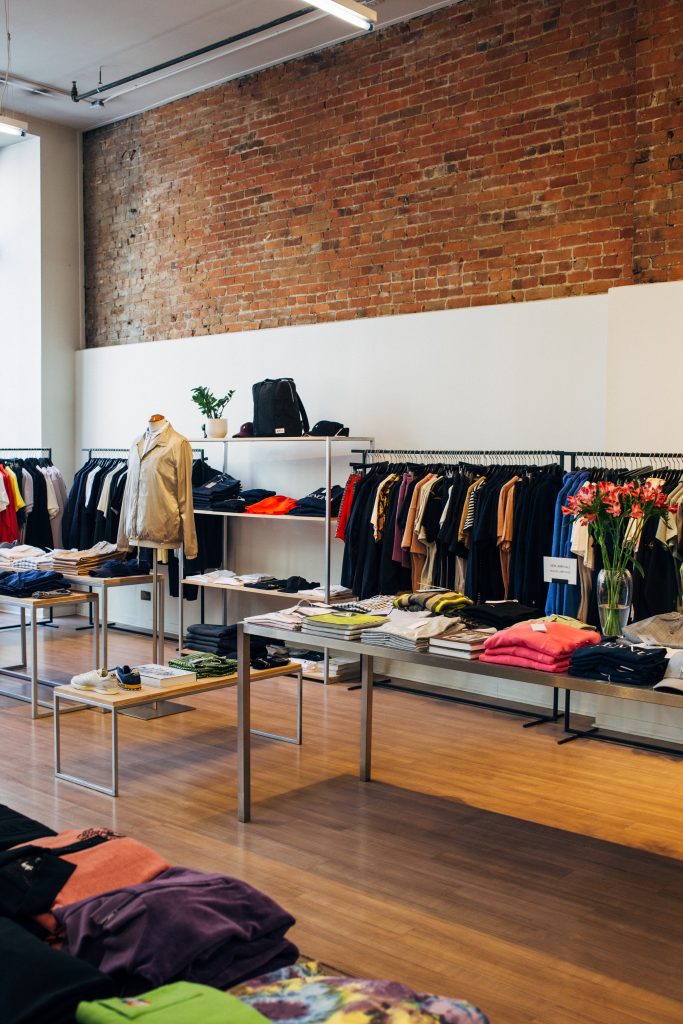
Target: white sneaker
[{"x": 99, "y": 679}]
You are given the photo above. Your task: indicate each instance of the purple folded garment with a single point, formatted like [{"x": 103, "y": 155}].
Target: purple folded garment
[{"x": 182, "y": 926}]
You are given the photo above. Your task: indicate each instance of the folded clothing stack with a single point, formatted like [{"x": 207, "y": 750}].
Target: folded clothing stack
[
  {"x": 544, "y": 646},
  {"x": 204, "y": 636},
  {"x": 314, "y": 503},
  {"x": 29, "y": 582},
  {"x": 500, "y": 614},
  {"x": 438, "y": 602},
  {"x": 665, "y": 630},
  {"x": 406, "y": 631},
  {"x": 341, "y": 625},
  {"x": 115, "y": 568},
  {"x": 120, "y": 908},
  {"x": 245, "y": 499},
  {"x": 617, "y": 662},
  {"x": 81, "y": 562},
  {"x": 218, "y": 489},
  {"x": 205, "y": 666},
  {"x": 24, "y": 556}
]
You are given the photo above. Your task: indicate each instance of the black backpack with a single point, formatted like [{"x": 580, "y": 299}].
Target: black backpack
[{"x": 278, "y": 410}]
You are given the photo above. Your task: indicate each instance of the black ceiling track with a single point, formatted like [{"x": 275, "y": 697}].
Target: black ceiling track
[{"x": 77, "y": 96}]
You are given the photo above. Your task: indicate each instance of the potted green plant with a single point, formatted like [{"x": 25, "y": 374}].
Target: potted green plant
[{"x": 212, "y": 407}]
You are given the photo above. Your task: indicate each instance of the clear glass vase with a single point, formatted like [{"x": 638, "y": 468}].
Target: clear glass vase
[{"x": 615, "y": 595}]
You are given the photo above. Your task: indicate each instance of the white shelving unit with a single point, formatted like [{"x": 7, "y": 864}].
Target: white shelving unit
[{"x": 331, "y": 447}]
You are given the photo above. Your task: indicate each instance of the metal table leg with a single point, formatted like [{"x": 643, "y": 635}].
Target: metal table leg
[
  {"x": 299, "y": 717},
  {"x": 243, "y": 725},
  {"x": 367, "y": 681},
  {"x": 112, "y": 790},
  {"x": 34, "y": 662},
  {"x": 105, "y": 630},
  {"x": 23, "y": 636},
  {"x": 161, "y": 625},
  {"x": 95, "y": 605}
]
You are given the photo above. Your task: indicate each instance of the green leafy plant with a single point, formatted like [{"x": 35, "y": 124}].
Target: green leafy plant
[{"x": 211, "y": 406}]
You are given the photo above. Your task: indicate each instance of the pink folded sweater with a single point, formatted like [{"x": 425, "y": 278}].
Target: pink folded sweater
[{"x": 555, "y": 641}]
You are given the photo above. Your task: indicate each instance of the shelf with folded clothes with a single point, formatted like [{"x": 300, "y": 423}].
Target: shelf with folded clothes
[{"x": 241, "y": 589}]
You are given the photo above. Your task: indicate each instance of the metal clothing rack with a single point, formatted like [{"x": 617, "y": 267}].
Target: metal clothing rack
[
  {"x": 435, "y": 454},
  {"x": 612, "y": 457},
  {"x": 200, "y": 451},
  {"x": 13, "y": 451},
  {"x": 17, "y": 452}
]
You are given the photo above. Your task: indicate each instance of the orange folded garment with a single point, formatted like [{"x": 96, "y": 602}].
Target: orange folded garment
[
  {"x": 279, "y": 505},
  {"x": 119, "y": 862},
  {"x": 552, "y": 639}
]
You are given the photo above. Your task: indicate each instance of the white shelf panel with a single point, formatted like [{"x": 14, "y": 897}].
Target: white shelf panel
[
  {"x": 257, "y": 590},
  {"x": 248, "y": 515},
  {"x": 279, "y": 440}
]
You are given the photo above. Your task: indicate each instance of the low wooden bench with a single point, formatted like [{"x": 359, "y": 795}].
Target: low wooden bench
[{"x": 126, "y": 699}]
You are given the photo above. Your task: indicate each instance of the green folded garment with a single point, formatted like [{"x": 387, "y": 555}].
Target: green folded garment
[
  {"x": 180, "y": 1003},
  {"x": 205, "y": 665}
]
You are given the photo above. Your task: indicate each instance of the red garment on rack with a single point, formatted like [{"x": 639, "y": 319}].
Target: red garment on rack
[
  {"x": 9, "y": 527},
  {"x": 346, "y": 506}
]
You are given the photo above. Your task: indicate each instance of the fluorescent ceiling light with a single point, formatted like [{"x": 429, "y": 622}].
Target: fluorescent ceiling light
[
  {"x": 8, "y": 126},
  {"x": 356, "y": 14}
]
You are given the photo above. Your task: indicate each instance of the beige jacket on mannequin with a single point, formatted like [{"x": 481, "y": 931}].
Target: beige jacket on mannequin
[{"x": 157, "y": 502}]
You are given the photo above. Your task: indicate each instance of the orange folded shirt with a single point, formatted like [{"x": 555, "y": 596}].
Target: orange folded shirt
[
  {"x": 119, "y": 862},
  {"x": 279, "y": 505}
]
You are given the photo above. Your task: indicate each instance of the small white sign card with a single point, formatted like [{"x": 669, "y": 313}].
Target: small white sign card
[{"x": 559, "y": 570}]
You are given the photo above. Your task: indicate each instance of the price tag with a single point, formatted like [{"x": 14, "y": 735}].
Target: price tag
[{"x": 559, "y": 570}]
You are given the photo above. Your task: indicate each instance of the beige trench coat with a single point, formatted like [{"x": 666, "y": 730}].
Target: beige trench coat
[{"x": 157, "y": 502}]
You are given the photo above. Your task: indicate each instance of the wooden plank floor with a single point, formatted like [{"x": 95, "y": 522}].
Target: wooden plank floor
[{"x": 543, "y": 883}]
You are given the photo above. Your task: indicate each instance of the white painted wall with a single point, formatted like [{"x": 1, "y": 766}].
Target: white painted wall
[
  {"x": 40, "y": 288},
  {"x": 566, "y": 374},
  {"x": 20, "y": 290},
  {"x": 492, "y": 376}
]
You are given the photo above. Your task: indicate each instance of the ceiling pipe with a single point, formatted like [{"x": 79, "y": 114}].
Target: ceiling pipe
[{"x": 77, "y": 96}]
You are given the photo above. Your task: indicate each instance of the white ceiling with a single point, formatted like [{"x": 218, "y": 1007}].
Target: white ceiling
[{"x": 57, "y": 41}]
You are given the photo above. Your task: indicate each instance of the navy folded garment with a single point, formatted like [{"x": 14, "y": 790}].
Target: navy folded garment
[
  {"x": 114, "y": 568},
  {"x": 220, "y": 488},
  {"x": 230, "y": 505},
  {"x": 618, "y": 662},
  {"x": 314, "y": 503},
  {"x": 16, "y": 828},
  {"x": 23, "y": 584},
  {"x": 255, "y": 494}
]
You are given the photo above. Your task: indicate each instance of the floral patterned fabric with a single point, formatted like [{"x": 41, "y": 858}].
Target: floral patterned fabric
[{"x": 302, "y": 995}]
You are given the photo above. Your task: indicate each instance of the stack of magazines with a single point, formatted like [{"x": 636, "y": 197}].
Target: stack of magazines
[
  {"x": 466, "y": 644},
  {"x": 339, "y": 625}
]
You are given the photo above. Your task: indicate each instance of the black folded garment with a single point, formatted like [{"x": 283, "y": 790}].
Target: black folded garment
[
  {"x": 292, "y": 585},
  {"x": 211, "y": 631},
  {"x": 16, "y": 828},
  {"x": 617, "y": 662},
  {"x": 24, "y": 584},
  {"x": 499, "y": 614},
  {"x": 314, "y": 503},
  {"x": 39, "y": 984}
]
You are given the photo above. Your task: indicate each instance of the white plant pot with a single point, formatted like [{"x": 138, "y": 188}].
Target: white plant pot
[{"x": 217, "y": 428}]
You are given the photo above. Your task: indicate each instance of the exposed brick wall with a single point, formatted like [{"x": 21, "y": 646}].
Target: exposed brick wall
[{"x": 491, "y": 152}]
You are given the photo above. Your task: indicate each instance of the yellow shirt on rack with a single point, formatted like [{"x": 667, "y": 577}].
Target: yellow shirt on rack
[{"x": 16, "y": 493}]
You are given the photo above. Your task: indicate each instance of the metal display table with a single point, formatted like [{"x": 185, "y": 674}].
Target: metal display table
[
  {"x": 103, "y": 585},
  {"x": 369, "y": 652},
  {"x": 127, "y": 699},
  {"x": 33, "y": 605}
]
